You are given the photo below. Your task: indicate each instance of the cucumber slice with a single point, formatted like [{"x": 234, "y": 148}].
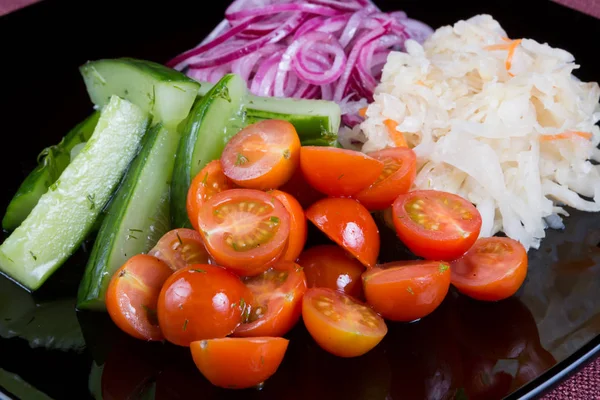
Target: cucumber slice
[
  {"x": 65, "y": 214},
  {"x": 51, "y": 163},
  {"x": 137, "y": 216},
  {"x": 163, "y": 92},
  {"x": 214, "y": 119},
  {"x": 316, "y": 121}
]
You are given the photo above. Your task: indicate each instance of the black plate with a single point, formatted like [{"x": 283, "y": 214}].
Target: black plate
[{"x": 547, "y": 330}]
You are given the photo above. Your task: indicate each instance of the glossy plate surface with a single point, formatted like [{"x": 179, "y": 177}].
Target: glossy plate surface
[{"x": 520, "y": 346}]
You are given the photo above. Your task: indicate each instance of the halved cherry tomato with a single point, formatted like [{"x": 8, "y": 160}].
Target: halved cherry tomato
[
  {"x": 209, "y": 181},
  {"x": 179, "y": 248},
  {"x": 132, "y": 295},
  {"x": 436, "y": 225},
  {"x": 349, "y": 224},
  {"x": 493, "y": 269},
  {"x": 338, "y": 172},
  {"x": 277, "y": 301},
  {"x": 298, "y": 224},
  {"x": 406, "y": 290},
  {"x": 238, "y": 363},
  {"x": 329, "y": 266},
  {"x": 340, "y": 324},
  {"x": 301, "y": 190},
  {"x": 244, "y": 230},
  {"x": 263, "y": 155},
  {"x": 201, "y": 302},
  {"x": 399, "y": 170}
]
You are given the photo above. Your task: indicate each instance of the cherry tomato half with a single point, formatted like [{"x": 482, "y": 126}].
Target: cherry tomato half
[
  {"x": 301, "y": 190},
  {"x": 298, "y": 224},
  {"x": 349, "y": 224},
  {"x": 493, "y": 269},
  {"x": 179, "y": 248},
  {"x": 340, "y": 324},
  {"x": 436, "y": 225},
  {"x": 406, "y": 290},
  {"x": 132, "y": 296},
  {"x": 263, "y": 155},
  {"x": 244, "y": 230},
  {"x": 399, "y": 170},
  {"x": 277, "y": 301},
  {"x": 338, "y": 172},
  {"x": 201, "y": 302},
  {"x": 329, "y": 266},
  {"x": 209, "y": 181},
  {"x": 238, "y": 363}
]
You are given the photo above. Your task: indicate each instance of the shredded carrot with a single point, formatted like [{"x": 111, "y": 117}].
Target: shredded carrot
[
  {"x": 363, "y": 112},
  {"x": 506, "y": 39},
  {"x": 511, "y": 46},
  {"x": 567, "y": 135},
  {"x": 420, "y": 83},
  {"x": 397, "y": 137},
  {"x": 511, "y": 53}
]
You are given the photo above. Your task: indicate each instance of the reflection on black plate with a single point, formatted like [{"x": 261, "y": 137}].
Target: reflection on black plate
[{"x": 465, "y": 349}]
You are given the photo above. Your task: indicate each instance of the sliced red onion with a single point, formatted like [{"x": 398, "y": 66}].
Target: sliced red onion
[
  {"x": 328, "y": 49},
  {"x": 366, "y": 39},
  {"x": 183, "y": 59},
  {"x": 339, "y": 5},
  {"x": 352, "y": 27},
  {"x": 278, "y": 8},
  {"x": 327, "y": 92},
  {"x": 263, "y": 82},
  {"x": 321, "y": 77},
  {"x": 289, "y": 26}
]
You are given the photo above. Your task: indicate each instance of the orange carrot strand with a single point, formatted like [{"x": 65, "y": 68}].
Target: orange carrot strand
[
  {"x": 511, "y": 53},
  {"x": 566, "y": 135},
  {"x": 397, "y": 137},
  {"x": 363, "y": 112}
]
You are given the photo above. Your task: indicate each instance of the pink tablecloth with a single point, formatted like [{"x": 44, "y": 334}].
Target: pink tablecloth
[{"x": 585, "y": 385}]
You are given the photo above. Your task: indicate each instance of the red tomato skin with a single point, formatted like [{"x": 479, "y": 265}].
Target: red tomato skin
[
  {"x": 407, "y": 297},
  {"x": 507, "y": 282},
  {"x": 350, "y": 225},
  {"x": 238, "y": 363},
  {"x": 179, "y": 248},
  {"x": 338, "y": 172},
  {"x": 277, "y": 143},
  {"x": 201, "y": 302},
  {"x": 284, "y": 309},
  {"x": 381, "y": 194},
  {"x": 331, "y": 267},
  {"x": 433, "y": 245},
  {"x": 298, "y": 225},
  {"x": 132, "y": 296},
  {"x": 209, "y": 181},
  {"x": 301, "y": 190},
  {"x": 332, "y": 336}
]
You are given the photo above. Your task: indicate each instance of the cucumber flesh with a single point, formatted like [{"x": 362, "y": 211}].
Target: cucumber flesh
[
  {"x": 214, "y": 119},
  {"x": 316, "y": 121},
  {"x": 163, "y": 92},
  {"x": 51, "y": 163},
  {"x": 65, "y": 214},
  {"x": 137, "y": 216}
]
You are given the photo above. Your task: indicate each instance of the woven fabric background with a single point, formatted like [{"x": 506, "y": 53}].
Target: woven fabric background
[{"x": 585, "y": 385}]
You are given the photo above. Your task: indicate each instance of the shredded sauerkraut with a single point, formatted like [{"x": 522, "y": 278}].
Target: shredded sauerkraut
[{"x": 503, "y": 123}]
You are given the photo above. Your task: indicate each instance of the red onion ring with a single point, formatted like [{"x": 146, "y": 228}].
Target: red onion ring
[
  {"x": 329, "y": 49},
  {"x": 275, "y": 9}
]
